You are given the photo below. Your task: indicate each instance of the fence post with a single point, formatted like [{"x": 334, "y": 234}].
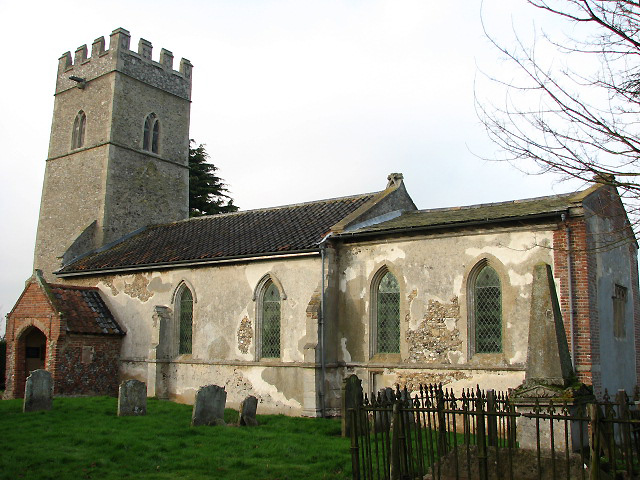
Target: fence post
[
  {"x": 492, "y": 419},
  {"x": 442, "y": 422},
  {"x": 594, "y": 442},
  {"x": 480, "y": 438},
  {"x": 625, "y": 429},
  {"x": 394, "y": 465},
  {"x": 355, "y": 459}
]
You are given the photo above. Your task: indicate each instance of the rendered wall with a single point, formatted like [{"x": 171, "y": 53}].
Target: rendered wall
[
  {"x": 432, "y": 272},
  {"x": 224, "y": 336},
  {"x": 614, "y": 257}
]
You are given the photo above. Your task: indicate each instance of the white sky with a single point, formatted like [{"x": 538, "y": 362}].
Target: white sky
[{"x": 296, "y": 100}]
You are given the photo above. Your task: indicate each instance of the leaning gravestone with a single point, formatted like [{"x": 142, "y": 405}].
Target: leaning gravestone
[
  {"x": 208, "y": 408},
  {"x": 38, "y": 393},
  {"x": 352, "y": 397},
  {"x": 132, "y": 398},
  {"x": 248, "y": 409}
]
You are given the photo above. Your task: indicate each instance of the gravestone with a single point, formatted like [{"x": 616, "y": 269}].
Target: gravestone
[
  {"x": 386, "y": 397},
  {"x": 549, "y": 375},
  {"x": 132, "y": 398},
  {"x": 208, "y": 408},
  {"x": 248, "y": 409},
  {"x": 352, "y": 397},
  {"x": 38, "y": 393}
]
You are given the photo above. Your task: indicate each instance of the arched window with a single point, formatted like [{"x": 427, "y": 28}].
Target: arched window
[
  {"x": 386, "y": 314},
  {"x": 79, "y": 126},
  {"x": 486, "y": 295},
  {"x": 184, "y": 307},
  {"x": 269, "y": 321},
  {"x": 151, "y": 137}
]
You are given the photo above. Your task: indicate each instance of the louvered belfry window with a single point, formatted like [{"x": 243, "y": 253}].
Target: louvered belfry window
[
  {"x": 186, "y": 321},
  {"x": 271, "y": 321},
  {"x": 488, "y": 311},
  {"x": 388, "y": 315}
]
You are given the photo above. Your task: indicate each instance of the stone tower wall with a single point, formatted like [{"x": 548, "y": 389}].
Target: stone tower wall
[{"x": 110, "y": 186}]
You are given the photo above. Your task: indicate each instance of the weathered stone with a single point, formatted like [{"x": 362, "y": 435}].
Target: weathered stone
[
  {"x": 382, "y": 420},
  {"x": 352, "y": 396},
  {"x": 208, "y": 408},
  {"x": 413, "y": 380},
  {"x": 132, "y": 398},
  {"x": 548, "y": 358},
  {"x": 245, "y": 335},
  {"x": 437, "y": 335},
  {"x": 549, "y": 372},
  {"x": 38, "y": 393},
  {"x": 248, "y": 409}
]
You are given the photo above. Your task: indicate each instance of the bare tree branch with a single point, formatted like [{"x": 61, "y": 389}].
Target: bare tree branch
[{"x": 577, "y": 114}]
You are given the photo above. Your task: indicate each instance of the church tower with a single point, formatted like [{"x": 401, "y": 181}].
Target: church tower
[{"x": 118, "y": 154}]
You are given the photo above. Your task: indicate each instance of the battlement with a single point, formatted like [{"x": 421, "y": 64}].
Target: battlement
[{"x": 80, "y": 69}]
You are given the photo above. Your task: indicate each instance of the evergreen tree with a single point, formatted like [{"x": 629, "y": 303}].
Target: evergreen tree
[{"x": 208, "y": 194}]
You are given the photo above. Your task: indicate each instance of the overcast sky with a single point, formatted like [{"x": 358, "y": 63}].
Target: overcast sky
[{"x": 296, "y": 100}]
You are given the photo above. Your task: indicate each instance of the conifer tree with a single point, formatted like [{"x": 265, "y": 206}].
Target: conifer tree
[{"x": 208, "y": 194}]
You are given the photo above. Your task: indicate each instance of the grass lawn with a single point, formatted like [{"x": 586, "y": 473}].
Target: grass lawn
[{"x": 82, "y": 438}]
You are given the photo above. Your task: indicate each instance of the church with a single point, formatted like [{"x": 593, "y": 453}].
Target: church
[{"x": 284, "y": 302}]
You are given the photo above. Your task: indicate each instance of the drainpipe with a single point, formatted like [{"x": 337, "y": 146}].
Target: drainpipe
[
  {"x": 570, "y": 285},
  {"x": 323, "y": 376}
]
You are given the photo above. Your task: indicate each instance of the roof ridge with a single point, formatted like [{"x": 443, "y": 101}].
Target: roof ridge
[
  {"x": 490, "y": 204},
  {"x": 263, "y": 209}
]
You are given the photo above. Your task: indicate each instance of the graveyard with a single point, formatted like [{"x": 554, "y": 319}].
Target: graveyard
[{"x": 85, "y": 438}]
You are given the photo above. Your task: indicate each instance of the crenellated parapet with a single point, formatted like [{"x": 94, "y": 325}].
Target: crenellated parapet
[{"x": 80, "y": 69}]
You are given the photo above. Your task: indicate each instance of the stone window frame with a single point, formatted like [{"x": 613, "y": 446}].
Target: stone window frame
[
  {"x": 619, "y": 299},
  {"x": 176, "y": 301},
  {"x": 258, "y": 297},
  {"x": 373, "y": 317},
  {"x": 471, "y": 304},
  {"x": 151, "y": 134},
  {"x": 79, "y": 130}
]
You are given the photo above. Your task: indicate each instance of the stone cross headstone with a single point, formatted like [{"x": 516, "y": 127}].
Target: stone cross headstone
[
  {"x": 38, "y": 393},
  {"x": 248, "y": 409},
  {"x": 208, "y": 408},
  {"x": 132, "y": 398},
  {"x": 352, "y": 396}
]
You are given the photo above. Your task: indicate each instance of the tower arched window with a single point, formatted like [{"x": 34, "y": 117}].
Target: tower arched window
[
  {"x": 151, "y": 138},
  {"x": 184, "y": 307},
  {"x": 386, "y": 313},
  {"x": 486, "y": 309},
  {"x": 79, "y": 127},
  {"x": 269, "y": 321}
]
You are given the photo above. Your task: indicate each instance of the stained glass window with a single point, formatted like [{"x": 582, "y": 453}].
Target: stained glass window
[
  {"x": 488, "y": 311},
  {"x": 186, "y": 321},
  {"x": 388, "y": 315},
  {"x": 271, "y": 321}
]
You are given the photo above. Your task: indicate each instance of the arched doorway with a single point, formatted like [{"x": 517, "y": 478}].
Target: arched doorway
[{"x": 35, "y": 349}]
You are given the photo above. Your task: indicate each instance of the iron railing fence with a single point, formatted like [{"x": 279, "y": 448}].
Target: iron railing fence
[{"x": 485, "y": 434}]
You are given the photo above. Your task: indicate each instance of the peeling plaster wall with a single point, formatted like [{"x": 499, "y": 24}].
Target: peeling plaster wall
[
  {"x": 224, "y": 336},
  {"x": 432, "y": 273}
]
